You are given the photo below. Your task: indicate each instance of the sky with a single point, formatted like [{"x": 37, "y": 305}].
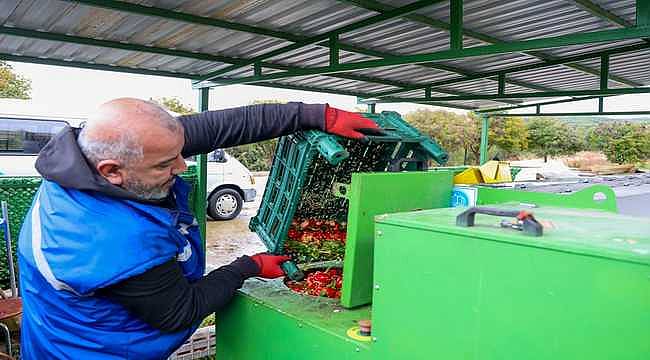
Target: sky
[{"x": 62, "y": 91}]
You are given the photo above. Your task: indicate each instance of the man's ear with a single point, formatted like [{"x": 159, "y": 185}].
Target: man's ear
[{"x": 112, "y": 171}]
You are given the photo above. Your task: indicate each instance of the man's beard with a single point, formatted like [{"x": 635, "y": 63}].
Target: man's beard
[{"x": 148, "y": 192}]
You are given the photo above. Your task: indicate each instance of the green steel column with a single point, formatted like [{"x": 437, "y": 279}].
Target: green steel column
[
  {"x": 202, "y": 163},
  {"x": 484, "y": 137},
  {"x": 502, "y": 84},
  {"x": 334, "y": 49},
  {"x": 604, "y": 72},
  {"x": 642, "y": 13},
  {"x": 371, "y": 108},
  {"x": 456, "y": 28}
]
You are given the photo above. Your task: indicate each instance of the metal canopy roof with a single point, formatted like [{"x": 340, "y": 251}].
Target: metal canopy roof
[{"x": 471, "y": 54}]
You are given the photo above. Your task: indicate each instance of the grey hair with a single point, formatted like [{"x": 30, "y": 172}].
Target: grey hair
[{"x": 126, "y": 148}]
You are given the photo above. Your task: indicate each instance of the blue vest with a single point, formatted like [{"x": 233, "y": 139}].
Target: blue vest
[{"x": 75, "y": 242}]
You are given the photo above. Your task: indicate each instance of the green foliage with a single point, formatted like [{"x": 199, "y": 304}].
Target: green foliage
[
  {"x": 622, "y": 142},
  {"x": 460, "y": 135},
  {"x": 257, "y": 156},
  {"x": 510, "y": 135},
  {"x": 13, "y": 85},
  {"x": 174, "y": 104},
  {"x": 550, "y": 137}
]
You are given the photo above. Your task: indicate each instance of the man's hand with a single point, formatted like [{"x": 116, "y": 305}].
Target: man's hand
[
  {"x": 348, "y": 124},
  {"x": 270, "y": 264}
]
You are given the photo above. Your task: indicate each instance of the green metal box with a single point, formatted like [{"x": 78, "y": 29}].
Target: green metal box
[{"x": 580, "y": 291}]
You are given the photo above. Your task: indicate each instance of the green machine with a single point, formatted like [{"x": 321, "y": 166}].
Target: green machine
[{"x": 435, "y": 289}]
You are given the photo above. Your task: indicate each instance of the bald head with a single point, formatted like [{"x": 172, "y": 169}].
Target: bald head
[
  {"x": 131, "y": 139},
  {"x": 121, "y": 128}
]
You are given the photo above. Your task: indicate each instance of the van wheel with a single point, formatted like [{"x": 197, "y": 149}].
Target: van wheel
[{"x": 225, "y": 204}]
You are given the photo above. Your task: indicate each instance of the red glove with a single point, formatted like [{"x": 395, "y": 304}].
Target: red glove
[
  {"x": 347, "y": 124},
  {"x": 270, "y": 264}
]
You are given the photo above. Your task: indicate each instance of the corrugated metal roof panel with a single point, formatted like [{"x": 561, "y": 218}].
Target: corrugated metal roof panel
[{"x": 486, "y": 21}]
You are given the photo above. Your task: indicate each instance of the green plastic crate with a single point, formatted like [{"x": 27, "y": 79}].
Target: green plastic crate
[
  {"x": 19, "y": 193},
  {"x": 308, "y": 166}
]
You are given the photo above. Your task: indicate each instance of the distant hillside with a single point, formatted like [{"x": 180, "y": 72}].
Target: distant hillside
[{"x": 595, "y": 120}]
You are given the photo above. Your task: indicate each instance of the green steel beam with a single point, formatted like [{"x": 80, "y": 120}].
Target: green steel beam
[
  {"x": 500, "y": 48},
  {"x": 379, "y": 7},
  {"x": 185, "y": 54},
  {"x": 83, "y": 65},
  {"x": 485, "y": 130},
  {"x": 619, "y": 91},
  {"x": 560, "y": 114},
  {"x": 357, "y": 94},
  {"x": 456, "y": 29},
  {"x": 194, "y": 19},
  {"x": 468, "y": 73},
  {"x": 642, "y": 13},
  {"x": 201, "y": 192},
  {"x": 325, "y": 36},
  {"x": 493, "y": 74},
  {"x": 538, "y": 104}
]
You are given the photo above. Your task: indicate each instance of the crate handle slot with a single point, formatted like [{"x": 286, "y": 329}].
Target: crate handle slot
[
  {"x": 397, "y": 165},
  {"x": 341, "y": 190}
]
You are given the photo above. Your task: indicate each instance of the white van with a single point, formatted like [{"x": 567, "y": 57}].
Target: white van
[{"x": 229, "y": 183}]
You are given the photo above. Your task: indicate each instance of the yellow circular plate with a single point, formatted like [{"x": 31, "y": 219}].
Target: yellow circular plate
[{"x": 353, "y": 332}]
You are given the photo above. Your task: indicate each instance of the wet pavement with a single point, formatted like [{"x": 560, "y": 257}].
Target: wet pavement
[{"x": 227, "y": 240}]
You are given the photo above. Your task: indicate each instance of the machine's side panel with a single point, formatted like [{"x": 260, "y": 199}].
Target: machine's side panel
[
  {"x": 250, "y": 329},
  {"x": 441, "y": 295},
  {"x": 373, "y": 194}
]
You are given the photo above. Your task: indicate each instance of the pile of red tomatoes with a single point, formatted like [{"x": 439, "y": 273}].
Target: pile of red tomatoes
[{"x": 326, "y": 283}]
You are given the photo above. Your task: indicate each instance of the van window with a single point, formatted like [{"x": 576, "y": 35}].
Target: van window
[
  {"x": 26, "y": 136},
  {"x": 217, "y": 156}
]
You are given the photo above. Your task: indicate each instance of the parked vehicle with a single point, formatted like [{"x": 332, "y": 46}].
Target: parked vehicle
[{"x": 229, "y": 183}]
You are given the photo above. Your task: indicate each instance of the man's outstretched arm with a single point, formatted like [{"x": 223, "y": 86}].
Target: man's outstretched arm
[{"x": 212, "y": 130}]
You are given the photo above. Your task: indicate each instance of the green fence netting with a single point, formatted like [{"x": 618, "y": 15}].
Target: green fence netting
[{"x": 19, "y": 193}]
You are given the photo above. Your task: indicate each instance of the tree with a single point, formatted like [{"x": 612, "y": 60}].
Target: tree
[
  {"x": 13, "y": 85},
  {"x": 460, "y": 135},
  {"x": 550, "y": 137},
  {"x": 622, "y": 143},
  {"x": 450, "y": 130},
  {"x": 174, "y": 104},
  {"x": 506, "y": 137},
  {"x": 510, "y": 135}
]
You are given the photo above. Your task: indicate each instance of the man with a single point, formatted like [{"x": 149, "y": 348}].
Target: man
[{"x": 110, "y": 256}]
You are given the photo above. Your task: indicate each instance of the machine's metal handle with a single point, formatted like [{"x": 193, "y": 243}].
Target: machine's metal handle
[
  {"x": 292, "y": 271},
  {"x": 529, "y": 224}
]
